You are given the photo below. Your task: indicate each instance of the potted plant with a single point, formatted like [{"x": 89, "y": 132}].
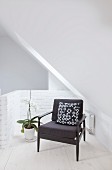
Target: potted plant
[{"x": 29, "y": 125}]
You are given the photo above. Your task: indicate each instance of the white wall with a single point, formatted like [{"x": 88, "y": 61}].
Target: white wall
[
  {"x": 55, "y": 84},
  {"x": 75, "y": 37},
  {"x": 18, "y": 70}
]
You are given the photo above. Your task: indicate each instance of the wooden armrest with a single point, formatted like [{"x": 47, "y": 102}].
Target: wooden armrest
[
  {"x": 42, "y": 115},
  {"x": 82, "y": 119}
]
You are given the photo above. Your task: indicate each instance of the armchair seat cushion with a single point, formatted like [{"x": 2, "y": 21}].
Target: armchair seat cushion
[{"x": 54, "y": 129}]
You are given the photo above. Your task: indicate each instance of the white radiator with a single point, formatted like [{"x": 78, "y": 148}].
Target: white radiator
[{"x": 92, "y": 124}]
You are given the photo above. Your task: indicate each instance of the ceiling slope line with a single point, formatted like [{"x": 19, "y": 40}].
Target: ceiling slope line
[
  {"x": 45, "y": 63},
  {"x": 28, "y": 48}
]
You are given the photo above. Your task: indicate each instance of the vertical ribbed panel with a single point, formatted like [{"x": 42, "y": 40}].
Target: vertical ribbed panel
[{"x": 9, "y": 108}]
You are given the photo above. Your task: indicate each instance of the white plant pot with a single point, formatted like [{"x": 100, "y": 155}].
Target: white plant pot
[{"x": 29, "y": 134}]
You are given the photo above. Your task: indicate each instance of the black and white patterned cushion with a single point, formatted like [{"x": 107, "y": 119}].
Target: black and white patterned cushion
[{"x": 68, "y": 113}]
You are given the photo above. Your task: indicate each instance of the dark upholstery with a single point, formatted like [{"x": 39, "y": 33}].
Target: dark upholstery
[
  {"x": 52, "y": 128},
  {"x": 63, "y": 133}
]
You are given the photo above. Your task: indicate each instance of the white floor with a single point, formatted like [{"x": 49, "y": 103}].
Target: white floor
[{"x": 55, "y": 156}]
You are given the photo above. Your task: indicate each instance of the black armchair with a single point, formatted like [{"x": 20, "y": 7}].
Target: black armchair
[{"x": 67, "y": 125}]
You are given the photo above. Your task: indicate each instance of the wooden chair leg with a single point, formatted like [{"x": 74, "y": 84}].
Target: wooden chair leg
[
  {"x": 84, "y": 134},
  {"x": 38, "y": 142},
  {"x": 77, "y": 144},
  {"x": 77, "y": 151}
]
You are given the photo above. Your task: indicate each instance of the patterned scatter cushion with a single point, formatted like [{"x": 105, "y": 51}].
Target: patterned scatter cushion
[{"x": 68, "y": 113}]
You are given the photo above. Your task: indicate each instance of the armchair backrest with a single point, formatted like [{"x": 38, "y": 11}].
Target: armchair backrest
[{"x": 78, "y": 102}]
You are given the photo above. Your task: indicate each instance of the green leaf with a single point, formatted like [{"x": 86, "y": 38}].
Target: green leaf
[
  {"x": 22, "y": 130},
  {"x": 35, "y": 127},
  {"x": 34, "y": 121},
  {"x": 25, "y": 124},
  {"x": 20, "y": 121},
  {"x": 34, "y": 117},
  {"x": 26, "y": 121}
]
